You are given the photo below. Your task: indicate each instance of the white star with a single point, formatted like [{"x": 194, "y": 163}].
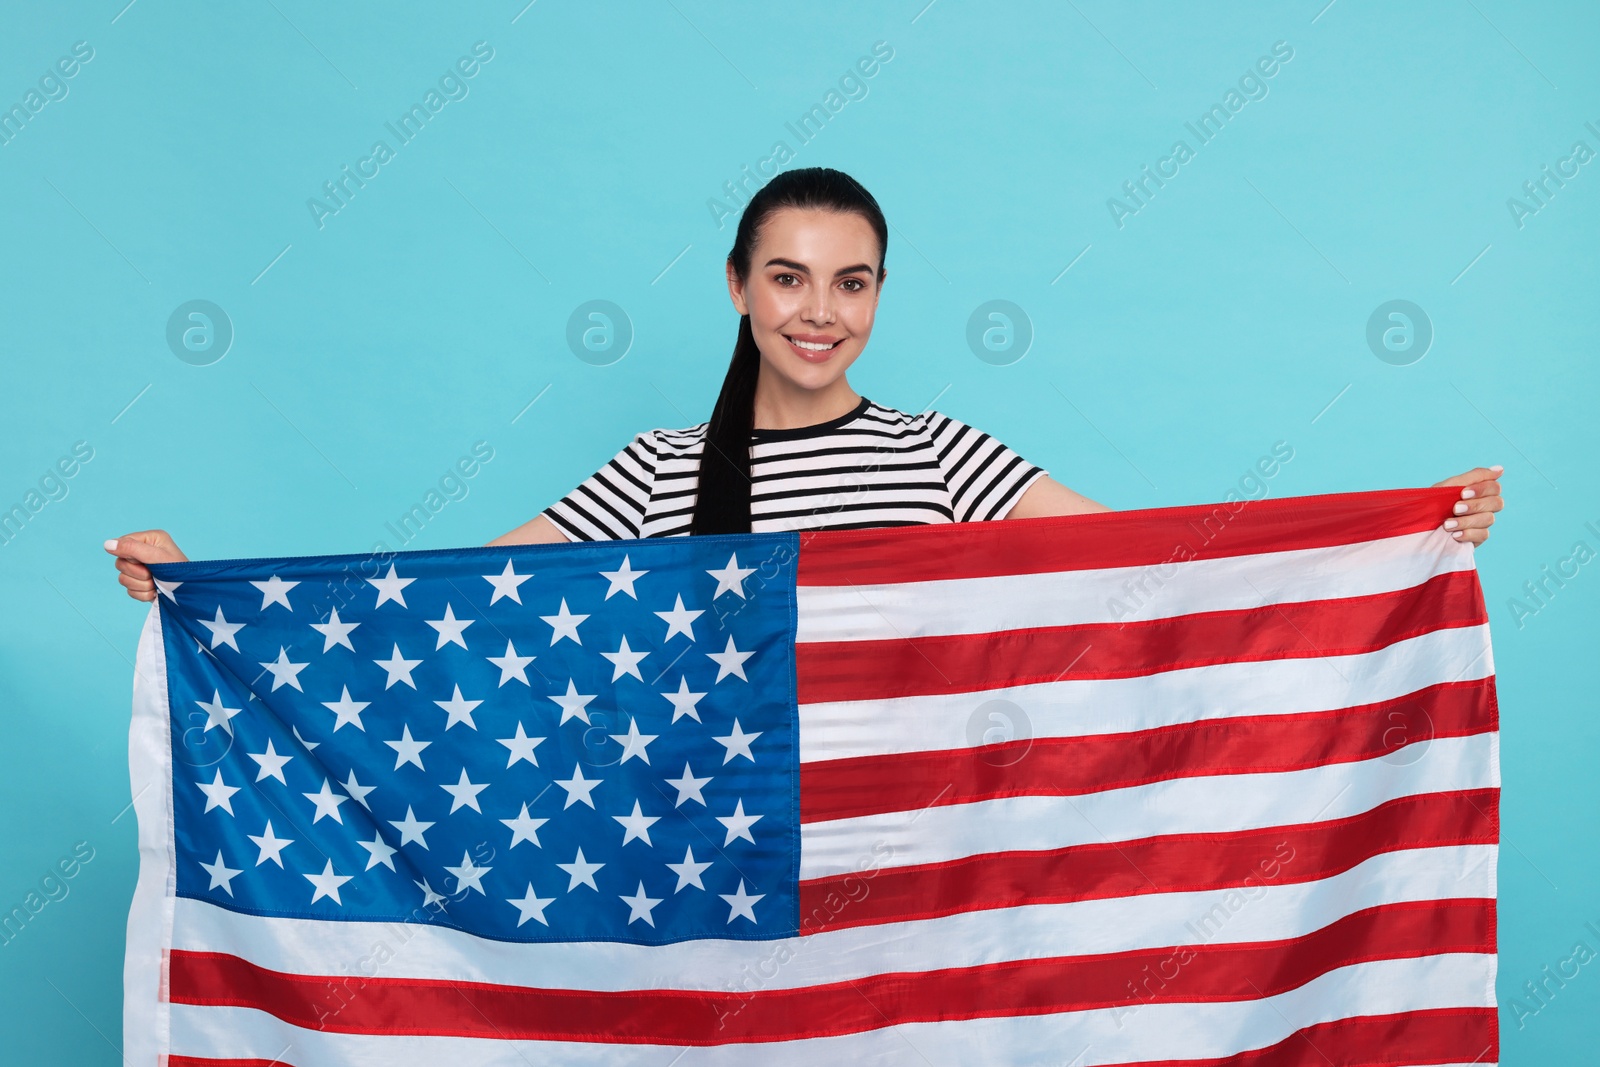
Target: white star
[
  {"x": 379, "y": 851},
  {"x": 633, "y": 743},
  {"x": 689, "y": 786},
  {"x": 450, "y": 628},
  {"x": 406, "y": 750},
  {"x": 222, "y": 630},
  {"x": 580, "y": 872},
  {"x": 357, "y": 790},
  {"x": 512, "y": 665},
  {"x": 683, "y": 701},
  {"x": 573, "y": 703},
  {"x": 689, "y": 871},
  {"x": 458, "y": 710},
  {"x": 730, "y": 579},
  {"x": 741, "y": 903},
  {"x": 327, "y": 882},
  {"x": 400, "y": 668},
  {"x": 578, "y": 787},
  {"x": 738, "y": 824},
  {"x": 469, "y": 875},
  {"x": 411, "y": 830},
  {"x": 221, "y": 874},
  {"x": 505, "y": 584},
  {"x": 310, "y": 746},
  {"x": 284, "y": 672},
  {"x": 622, "y": 580},
  {"x": 625, "y": 661},
  {"x": 640, "y": 906},
  {"x": 679, "y": 620},
  {"x": 531, "y": 906},
  {"x": 216, "y": 714},
  {"x": 389, "y": 588},
  {"x": 220, "y": 795},
  {"x": 565, "y": 624},
  {"x": 275, "y": 591},
  {"x": 465, "y": 793},
  {"x": 738, "y": 743},
  {"x": 270, "y": 762},
  {"x": 327, "y": 803},
  {"x": 730, "y": 661},
  {"x": 521, "y": 747},
  {"x": 168, "y": 589},
  {"x": 637, "y": 825},
  {"x": 270, "y": 845},
  {"x": 524, "y": 828},
  {"x": 335, "y": 632},
  {"x": 346, "y": 710},
  {"x": 429, "y": 896}
]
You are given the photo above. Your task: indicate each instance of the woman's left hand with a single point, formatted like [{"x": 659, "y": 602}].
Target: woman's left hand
[{"x": 1480, "y": 499}]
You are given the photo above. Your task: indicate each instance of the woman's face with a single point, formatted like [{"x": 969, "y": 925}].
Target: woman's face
[{"x": 813, "y": 280}]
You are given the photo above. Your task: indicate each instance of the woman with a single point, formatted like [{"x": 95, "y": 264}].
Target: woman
[{"x": 789, "y": 444}]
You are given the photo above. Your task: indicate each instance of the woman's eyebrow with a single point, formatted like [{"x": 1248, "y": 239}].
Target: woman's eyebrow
[{"x": 859, "y": 268}]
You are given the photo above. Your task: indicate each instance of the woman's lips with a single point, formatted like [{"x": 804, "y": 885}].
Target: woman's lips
[{"x": 811, "y": 355}]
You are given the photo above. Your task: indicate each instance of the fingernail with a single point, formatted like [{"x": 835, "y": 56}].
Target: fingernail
[
  {"x": 1497, "y": 467},
  {"x": 1461, "y": 509},
  {"x": 1457, "y": 534},
  {"x": 1451, "y": 524},
  {"x": 1468, "y": 494},
  {"x": 111, "y": 545}
]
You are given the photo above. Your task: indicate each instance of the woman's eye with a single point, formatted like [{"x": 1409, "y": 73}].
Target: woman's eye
[
  {"x": 780, "y": 279},
  {"x": 859, "y": 285}
]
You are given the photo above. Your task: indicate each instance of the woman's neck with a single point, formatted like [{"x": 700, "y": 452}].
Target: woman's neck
[{"x": 784, "y": 406}]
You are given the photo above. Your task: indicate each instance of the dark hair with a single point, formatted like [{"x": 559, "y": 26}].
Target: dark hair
[{"x": 722, "y": 502}]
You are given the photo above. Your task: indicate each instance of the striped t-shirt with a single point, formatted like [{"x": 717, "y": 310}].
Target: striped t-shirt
[{"x": 873, "y": 466}]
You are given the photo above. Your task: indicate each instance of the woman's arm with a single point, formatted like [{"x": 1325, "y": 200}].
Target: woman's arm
[
  {"x": 536, "y": 531},
  {"x": 1049, "y": 497},
  {"x": 1481, "y": 497}
]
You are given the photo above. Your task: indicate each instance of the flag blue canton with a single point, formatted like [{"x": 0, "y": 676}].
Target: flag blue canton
[{"x": 582, "y": 742}]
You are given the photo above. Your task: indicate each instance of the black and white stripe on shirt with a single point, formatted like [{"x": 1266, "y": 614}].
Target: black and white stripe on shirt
[{"x": 873, "y": 466}]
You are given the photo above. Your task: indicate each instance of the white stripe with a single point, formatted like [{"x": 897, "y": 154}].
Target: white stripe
[
  {"x": 1124, "y": 594},
  {"x": 1201, "y": 805},
  {"x": 145, "y": 1013},
  {"x": 1069, "y": 1039},
  {"x": 1085, "y": 707},
  {"x": 1262, "y": 911}
]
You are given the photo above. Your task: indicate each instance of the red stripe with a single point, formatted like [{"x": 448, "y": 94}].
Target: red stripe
[
  {"x": 966, "y": 663},
  {"x": 1144, "y": 537},
  {"x": 1174, "y": 863},
  {"x": 1071, "y": 766},
  {"x": 1440, "y": 1035},
  {"x": 1204, "y": 973}
]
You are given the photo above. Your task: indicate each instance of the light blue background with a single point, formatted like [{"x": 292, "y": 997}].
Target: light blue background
[{"x": 427, "y": 314}]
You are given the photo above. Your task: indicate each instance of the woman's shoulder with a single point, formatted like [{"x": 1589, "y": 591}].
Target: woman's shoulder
[
  {"x": 674, "y": 441},
  {"x": 940, "y": 425}
]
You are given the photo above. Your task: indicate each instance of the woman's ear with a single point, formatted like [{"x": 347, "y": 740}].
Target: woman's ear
[{"x": 736, "y": 290}]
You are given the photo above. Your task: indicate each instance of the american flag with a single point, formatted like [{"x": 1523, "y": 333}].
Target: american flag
[{"x": 1200, "y": 785}]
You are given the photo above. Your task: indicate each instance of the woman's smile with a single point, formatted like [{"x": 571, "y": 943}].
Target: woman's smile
[{"x": 811, "y": 347}]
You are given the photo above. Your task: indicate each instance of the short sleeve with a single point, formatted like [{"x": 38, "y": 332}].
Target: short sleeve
[
  {"x": 986, "y": 478},
  {"x": 610, "y": 504}
]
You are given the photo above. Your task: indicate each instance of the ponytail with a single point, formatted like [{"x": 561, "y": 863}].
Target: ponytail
[
  {"x": 722, "y": 504},
  {"x": 722, "y": 499}
]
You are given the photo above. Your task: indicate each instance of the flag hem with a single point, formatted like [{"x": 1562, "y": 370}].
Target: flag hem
[{"x": 146, "y": 1013}]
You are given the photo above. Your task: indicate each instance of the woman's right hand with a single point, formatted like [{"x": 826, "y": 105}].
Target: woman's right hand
[{"x": 134, "y": 550}]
